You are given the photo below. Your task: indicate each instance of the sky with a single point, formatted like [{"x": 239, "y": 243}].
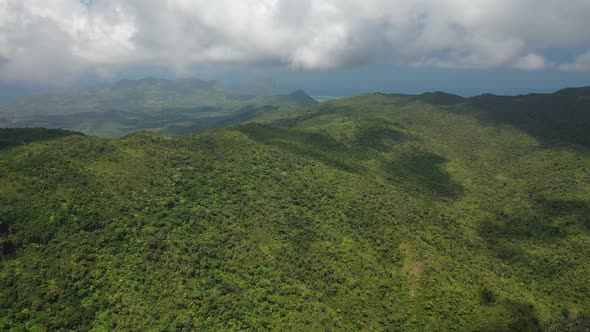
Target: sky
[{"x": 327, "y": 47}]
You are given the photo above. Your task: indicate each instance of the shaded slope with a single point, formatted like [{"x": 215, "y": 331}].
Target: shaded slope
[
  {"x": 558, "y": 118},
  {"x": 10, "y": 137}
]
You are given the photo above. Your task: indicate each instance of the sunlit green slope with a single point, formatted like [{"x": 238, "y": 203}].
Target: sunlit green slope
[{"x": 379, "y": 212}]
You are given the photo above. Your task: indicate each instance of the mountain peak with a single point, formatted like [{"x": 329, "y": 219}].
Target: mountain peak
[
  {"x": 299, "y": 93},
  {"x": 299, "y": 98},
  {"x": 441, "y": 98}
]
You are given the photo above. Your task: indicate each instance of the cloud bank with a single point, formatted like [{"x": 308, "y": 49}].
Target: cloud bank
[{"x": 44, "y": 41}]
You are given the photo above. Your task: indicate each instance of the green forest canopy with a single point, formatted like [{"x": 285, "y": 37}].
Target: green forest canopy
[{"x": 378, "y": 212}]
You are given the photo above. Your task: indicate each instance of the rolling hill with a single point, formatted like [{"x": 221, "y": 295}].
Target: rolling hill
[{"x": 377, "y": 212}]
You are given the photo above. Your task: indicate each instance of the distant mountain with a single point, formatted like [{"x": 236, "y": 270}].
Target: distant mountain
[
  {"x": 441, "y": 98},
  {"x": 130, "y": 105},
  {"x": 143, "y": 95},
  {"x": 298, "y": 98},
  {"x": 562, "y": 117}
]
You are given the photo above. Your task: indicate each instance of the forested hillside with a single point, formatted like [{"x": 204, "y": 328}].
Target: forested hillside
[{"x": 378, "y": 212}]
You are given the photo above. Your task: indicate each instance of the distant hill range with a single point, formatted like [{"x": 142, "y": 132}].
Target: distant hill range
[
  {"x": 131, "y": 105},
  {"x": 179, "y": 107},
  {"x": 563, "y": 116},
  {"x": 149, "y": 94}
]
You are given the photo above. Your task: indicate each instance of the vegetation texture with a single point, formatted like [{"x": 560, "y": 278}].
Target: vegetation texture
[{"x": 379, "y": 212}]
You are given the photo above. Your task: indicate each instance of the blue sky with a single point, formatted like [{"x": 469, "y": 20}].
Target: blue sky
[{"x": 327, "y": 47}]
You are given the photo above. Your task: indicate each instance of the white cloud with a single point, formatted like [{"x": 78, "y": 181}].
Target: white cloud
[
  {"x": 532, "y": 62},
  {"x": 49, "y": 40}
]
